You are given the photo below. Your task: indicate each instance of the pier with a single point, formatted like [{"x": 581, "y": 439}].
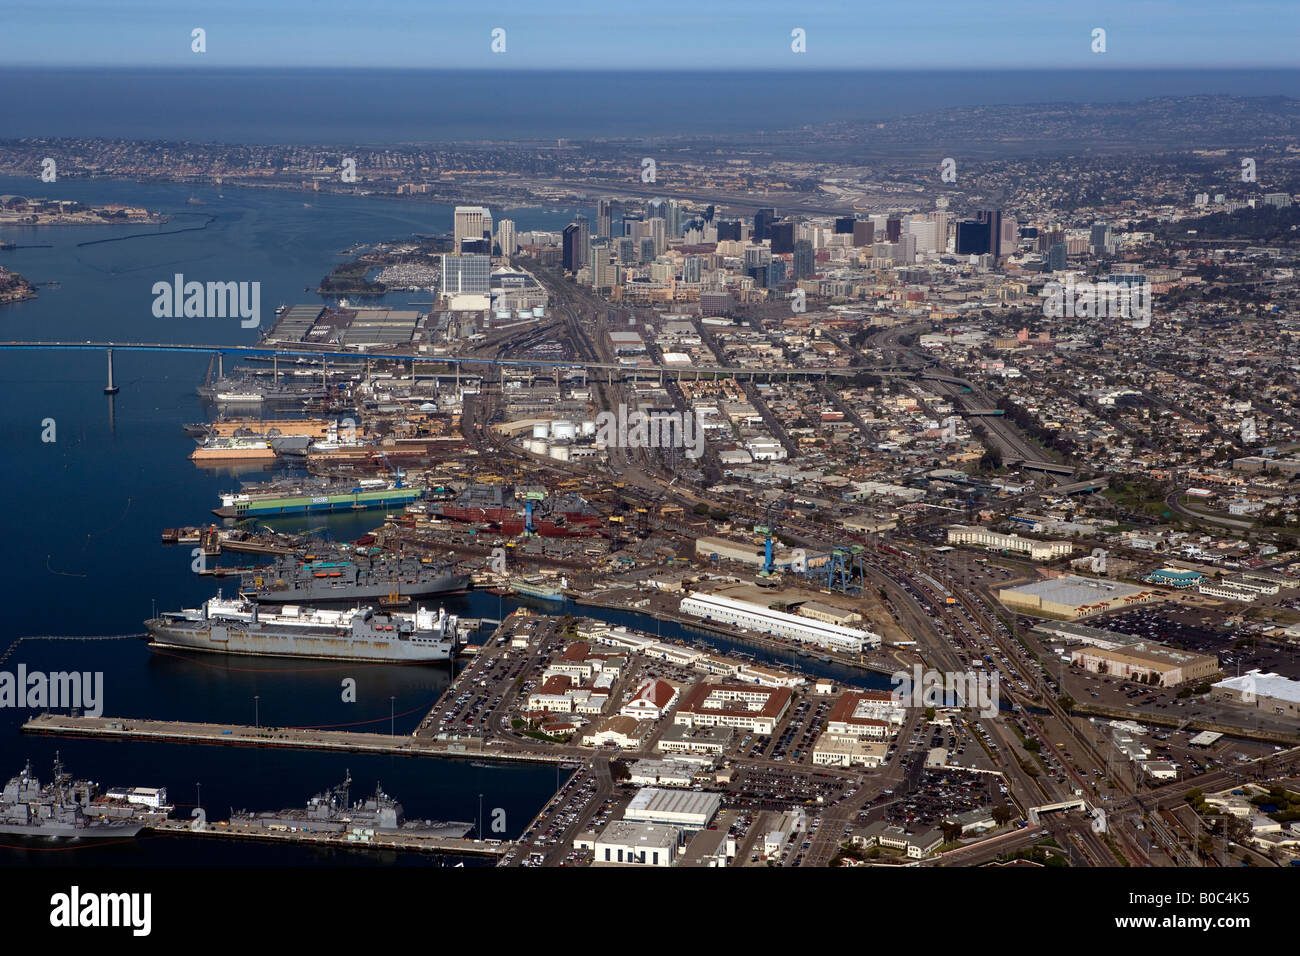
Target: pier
[
  {"x": 302, "y": 738},
  {"x": 379, "y": 840}
]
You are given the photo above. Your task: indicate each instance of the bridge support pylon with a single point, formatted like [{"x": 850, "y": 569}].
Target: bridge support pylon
[{"x": 110, "y": 388}]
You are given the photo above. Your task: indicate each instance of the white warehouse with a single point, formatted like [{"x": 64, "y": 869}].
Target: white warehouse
[{"x": 755, "y": 617}]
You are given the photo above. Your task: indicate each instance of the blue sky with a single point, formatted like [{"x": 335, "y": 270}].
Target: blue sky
[{"x": 651, "y": 34}]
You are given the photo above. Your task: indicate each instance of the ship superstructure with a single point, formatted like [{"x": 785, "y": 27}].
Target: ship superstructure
[
  {"x": 75, "y": 808},
  {"x": 333, "y": 812}
]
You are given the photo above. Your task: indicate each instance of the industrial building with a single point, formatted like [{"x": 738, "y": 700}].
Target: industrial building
[
  {"x": 1147, "y": 663},
  {"x": 691, "y": 810},
  {"x": 1270, "y": 693},
  {"x": 636, "y": 844},
  {"x": 848, "y": 750},
  {"x": 995, "y": 541},
  {"x": 1069, "y": 596},
  {"x": 755, "y": 617}
]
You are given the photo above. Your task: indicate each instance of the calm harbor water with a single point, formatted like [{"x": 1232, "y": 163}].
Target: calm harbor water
[{"x": 81, "y": 554}]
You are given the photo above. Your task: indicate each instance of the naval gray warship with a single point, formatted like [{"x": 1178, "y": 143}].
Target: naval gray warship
[
  {"x": 349, "y": 577},
  {"x": 333, "y": 812},
  {"x": 74, "y": 808}
]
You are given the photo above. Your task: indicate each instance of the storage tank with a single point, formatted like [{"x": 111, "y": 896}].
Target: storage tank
[
  {"x": 560, "y": 452},
  {"x": 587, "y": 429},
  {"x": 564, "y": 430},
  {"x": 537, "y": 446},
  {"x": 542, "y": 430}
]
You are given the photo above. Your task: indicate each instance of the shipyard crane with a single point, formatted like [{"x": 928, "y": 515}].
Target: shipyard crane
[
  {"x": 398, "y": 474},
  {"x": 766, "y": 529}
]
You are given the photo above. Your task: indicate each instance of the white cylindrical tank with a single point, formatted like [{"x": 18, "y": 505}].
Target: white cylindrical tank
[
  {"x": 542, "y": 430},
  {"x": 560, "y": 452},
  {"x": 587, "y": 429},
  {"x": 564, "y": 430}
]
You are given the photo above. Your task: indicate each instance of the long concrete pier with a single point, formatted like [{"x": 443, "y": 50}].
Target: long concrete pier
[
  {"x": 396, "y": 840},
  {"x": 301, "y": 738}
]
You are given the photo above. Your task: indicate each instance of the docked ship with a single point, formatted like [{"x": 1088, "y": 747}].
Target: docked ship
[
  {"x": 517, "y": 511},
  {"x": 241, "y": 626},
  {"x": 333, "y": 812},
  {"x": 535, "y": 586},
  {"x": 349, "y": 578},
  {"x": 75, "y": 808},
  {"x": 306, "y": 496},
  {"x": 233, "y": 449}
]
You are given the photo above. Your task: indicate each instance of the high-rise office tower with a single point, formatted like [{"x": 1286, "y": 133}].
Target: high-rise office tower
[
  {"x": 570, "y": 255},
  {"x": 466, "y": 275},
  {"x": 633, "y": 224},
  {"x": 646, "y": 250},
  {"x": 603, "y": 271},
  {"x": 584, "y": 237},
  {"x": 864, "y": 233},
  {"x": 470, "y": 222},
  {"x": 673, "y": 219},
  {"x": 775, "y": 273},
  {"x": 626, "y": 251},
  {"x": 604, "y": 217},
  {"x": 506, "y": 237},
  {"x": 693, "y": 269},
  {"x": 763, "y": 220},
  {"x": 782, "y": 236},
  {"x": 893, "y": 228},
  {"x": 1056, "y": 257},
  {"x": 756, "y": 256},
  {"x": 728, "y": 230},
  {"x": 657, "y": 228},
  {"x": 972, "y": 237},
  {"x": 993, "y": 219},
  {"x": 844, "y": 225},
  {"x": 804, "y": 259},
  {"x": 1100, "y": 239}
]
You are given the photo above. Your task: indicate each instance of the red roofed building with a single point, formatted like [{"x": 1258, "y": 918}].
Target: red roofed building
[
  {"x": 650, "y": 700},
  {"x": 744, "y": 706}
]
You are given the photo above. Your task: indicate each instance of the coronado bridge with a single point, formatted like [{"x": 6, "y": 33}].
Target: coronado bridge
[{"x": 323, "y": 355}]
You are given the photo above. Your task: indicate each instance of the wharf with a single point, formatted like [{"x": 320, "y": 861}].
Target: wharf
[
  {"x": 254, "y": 547},
  {"x": 302, "y": 738},
  {"x": 396, "y": 840}
]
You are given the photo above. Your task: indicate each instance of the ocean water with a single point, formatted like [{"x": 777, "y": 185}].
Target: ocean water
[{"x": 395, "y": 106}]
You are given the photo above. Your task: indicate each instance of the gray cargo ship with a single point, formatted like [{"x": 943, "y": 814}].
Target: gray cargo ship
[
  {"x": 68, "y": 808},
  {"x": 349, "y": 578},
  {"x": 333, "y": 812},
  {"x": 240, "y": 626}
]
